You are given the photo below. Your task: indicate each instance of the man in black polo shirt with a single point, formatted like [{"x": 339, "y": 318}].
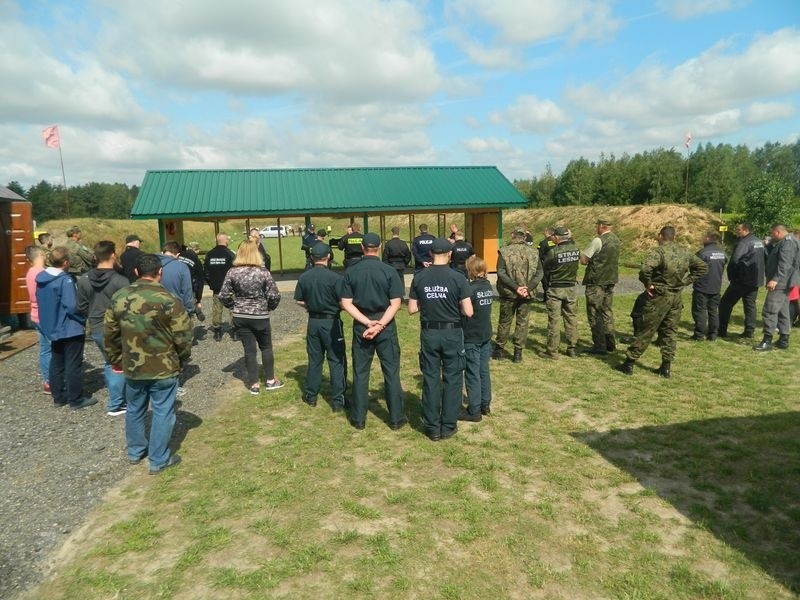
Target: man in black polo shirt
[
  {"x": 397, "y": 254},
  {"x": 372, "y": 295},
  {"x": 130, "y": 255},
  {"x": 460, "y": 252},
  {"x": 319, "y": 289},
  {"x": 421, "y": 248},
  {"x": 441, "y": 295}
]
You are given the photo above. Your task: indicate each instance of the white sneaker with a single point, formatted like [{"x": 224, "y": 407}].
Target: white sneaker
[
  {"x": 117, "y": 412},
  {"x": 181, "y": 391}
]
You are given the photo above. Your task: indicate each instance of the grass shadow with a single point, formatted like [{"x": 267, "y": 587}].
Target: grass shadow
[{"x": 738, "y": 478}]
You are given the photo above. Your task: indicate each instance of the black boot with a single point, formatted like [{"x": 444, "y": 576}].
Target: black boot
[
  {"x": 765, "y": 345},
  {"x": 611, "y": 343},
  {"x": 497, "y": 353},
  {"x": 783, "y": 341},
  {"x": 626, "y": 367},
  {"x": 664, "y": 369},
  {"x": 517, "y": 355}
]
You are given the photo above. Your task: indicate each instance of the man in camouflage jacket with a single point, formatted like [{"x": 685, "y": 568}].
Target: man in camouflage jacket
[
  {"x": 664, "y": 273},
  {"x": 81, "y": 258},
  {"x": 519, "y": 271},
  {"x": 148, "y": 336}
]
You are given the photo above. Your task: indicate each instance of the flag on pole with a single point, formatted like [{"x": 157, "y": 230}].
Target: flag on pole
[
  {"x": 51, "y": 137},
  {"x": 688, "y": 141}
]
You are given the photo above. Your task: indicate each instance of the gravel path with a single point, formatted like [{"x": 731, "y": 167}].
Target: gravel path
[{"x": 56, "y": 464}]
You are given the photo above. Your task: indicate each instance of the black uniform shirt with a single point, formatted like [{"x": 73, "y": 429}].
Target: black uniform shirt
[
  {"x": 351, "y": 245},
  {"x": 478, "y": 328},
  {"x": 439, "y": 291},
  {"x": 396, "y": 253},
  {"x": 371, "y": 284},
  {"x": 320, "y": 289},
  {"x": 461, "y": 251},
  {"x": 421, "y": 249},
  {"x": 711, "y": 282}
]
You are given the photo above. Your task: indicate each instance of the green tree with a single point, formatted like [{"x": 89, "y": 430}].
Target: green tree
[
  {"x": 543, "y": 187},
  {"x": 576, "y": 184},
  {"x": 15, "y": 187},
  {"x": 47, "y": 201},
  {"x": 769, "y": 199}
]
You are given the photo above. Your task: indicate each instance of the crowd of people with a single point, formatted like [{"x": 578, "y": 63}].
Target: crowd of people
[{"x": 138, "y": 309}]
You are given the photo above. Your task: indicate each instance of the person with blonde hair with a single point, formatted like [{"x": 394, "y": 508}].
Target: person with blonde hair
[
  {"x": 478, "y": 342},
  {"x": 250, "y": 292}
]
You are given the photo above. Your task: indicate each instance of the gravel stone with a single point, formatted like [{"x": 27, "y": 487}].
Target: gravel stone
[{"x": 56, "y": 464}]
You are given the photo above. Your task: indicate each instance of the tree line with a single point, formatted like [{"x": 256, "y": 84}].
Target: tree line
[
  {"x": 731, "y": 179},
  {"x": 100, "y": 200}
]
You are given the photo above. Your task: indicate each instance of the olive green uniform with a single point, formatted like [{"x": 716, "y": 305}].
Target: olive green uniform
[
  {"x": 560, "y": 266},
  {"x": 371, "y": 284},
  {"x": 602, "y": 274},
  {"x": 80, "y": 258},
  {"x": 439, "y": 291},
  {"x": 320, "y": 290},
  {"x": 668, "y": 269},
  {"x": 518, "y": 265}
]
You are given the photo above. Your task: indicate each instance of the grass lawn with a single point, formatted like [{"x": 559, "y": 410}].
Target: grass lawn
[{"x": 584, "y": 483}]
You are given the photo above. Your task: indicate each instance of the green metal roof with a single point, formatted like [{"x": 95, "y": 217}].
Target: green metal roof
[{"x": 278, "y": 192}]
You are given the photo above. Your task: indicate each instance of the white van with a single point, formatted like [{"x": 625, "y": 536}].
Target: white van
[{"x": 273, "y": 231}]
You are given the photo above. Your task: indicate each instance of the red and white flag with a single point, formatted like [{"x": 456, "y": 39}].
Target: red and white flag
[
  {"x": 688, "y": 141},
  {"x": 51, "y": 137}
]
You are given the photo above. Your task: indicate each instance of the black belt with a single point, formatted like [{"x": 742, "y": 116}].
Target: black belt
[
  {"x": 440, "y": 325},
  {"x": 562, "y": 285},
  {"x": 313, "y": 315}
]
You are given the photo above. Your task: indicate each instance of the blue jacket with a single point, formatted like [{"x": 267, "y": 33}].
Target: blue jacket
[
  {"x": 58, "y": 309},
  {"x": 176, "y": 277}
]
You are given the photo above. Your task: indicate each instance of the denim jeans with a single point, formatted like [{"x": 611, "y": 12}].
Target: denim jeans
[
  {"x": 115, "y": 382},
  {"x": 476, "y": 376},
  {"x": 161, "y": 395},
  {"x": 44, "y": 354}
]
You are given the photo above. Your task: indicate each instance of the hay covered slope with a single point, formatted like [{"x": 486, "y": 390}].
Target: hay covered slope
[{"x": 636, "y": 226}]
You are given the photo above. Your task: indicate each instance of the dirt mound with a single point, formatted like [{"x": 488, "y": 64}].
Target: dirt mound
[{"x": 637, "y": 226}]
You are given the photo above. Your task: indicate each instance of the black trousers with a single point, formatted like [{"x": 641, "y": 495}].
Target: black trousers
[
  {"x": 66, "y": 370},
  {"x": 705, "y": 312},
  {"x": 735, "y": 292}
]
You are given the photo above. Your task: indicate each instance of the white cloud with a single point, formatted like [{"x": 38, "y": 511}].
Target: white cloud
[
  {"x": 39, "y": 88},
  {"x": 688, "y": 9},
  {"x": 764, "y": 112},
  {"x": 705, "y": 88},
  {"x": 520, "y": 23},
  {"x": 490, "y": 144},
  {"x": 531, "y": 114},
  {"x": 362, "y": 50}
]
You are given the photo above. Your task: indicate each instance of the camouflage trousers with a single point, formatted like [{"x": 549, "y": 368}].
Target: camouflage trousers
[
  {"x": 600, "y": 312},
  {"x": 661, "y": 315},
  {"x": 509, "y": 308},
  {"x": 217, "y": 312},
  {"x": 561, "y": 303}
]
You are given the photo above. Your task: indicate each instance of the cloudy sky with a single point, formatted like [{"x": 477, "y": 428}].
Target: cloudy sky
[{"x": 156, "y": 84}]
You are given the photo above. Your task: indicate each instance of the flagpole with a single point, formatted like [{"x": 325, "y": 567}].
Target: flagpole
[
  {"x": 688, "y": 144},
  {"x": 686, "y": 199},
  {"x": 64, "y": 178}
]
